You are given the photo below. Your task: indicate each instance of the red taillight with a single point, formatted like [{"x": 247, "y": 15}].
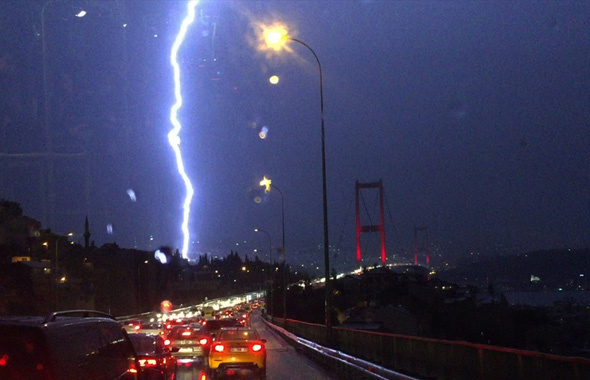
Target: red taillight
[
  {"x": 219, "y": 348},
  {"x": 4, "y": 360},
  {"x": 148, "y": 362},
  {"x": 167, "y": 342},
  {"x": 203, "y": 341},
  {"x": 257, "y": 347},
  {"x": 132, "y": 368},
  {"x": 136, "y": 327}
]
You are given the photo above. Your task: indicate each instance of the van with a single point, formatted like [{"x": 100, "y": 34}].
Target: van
[{"x": 66, "y": 345}]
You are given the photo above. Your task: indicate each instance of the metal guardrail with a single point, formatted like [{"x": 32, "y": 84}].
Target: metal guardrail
[
  {"x": 445, "y": 360},
  {"x": 347, "y": 366}
]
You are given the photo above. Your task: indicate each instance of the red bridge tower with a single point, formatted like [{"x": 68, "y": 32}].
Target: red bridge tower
[{"x": 370, "y": 228}]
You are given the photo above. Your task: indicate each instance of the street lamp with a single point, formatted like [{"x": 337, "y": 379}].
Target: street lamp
[
  {"x": 56, "y": 271},
  {"x": 271, "y": 264},
  {"x": 46, "y": 113},
  {"x": 267, "y": 184},
  {"x": 276, "y": 38},
  {"x": 57, "y": 245}
]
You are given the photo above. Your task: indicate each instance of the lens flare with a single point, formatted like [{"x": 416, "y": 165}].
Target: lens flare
[
  {"x": 173, "y": 135},
  {"x": 131, "y": 194},
  {"x": 263, "y": 132},
  {"x": 161, "y": 256}
]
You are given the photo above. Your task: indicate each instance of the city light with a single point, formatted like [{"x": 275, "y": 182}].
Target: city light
[
  {"x": 173, "y": 135},
  {"x": 266, "y": 183}
]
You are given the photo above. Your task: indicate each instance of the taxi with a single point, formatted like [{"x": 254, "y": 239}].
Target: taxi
[{"x": 237, "y": 350}]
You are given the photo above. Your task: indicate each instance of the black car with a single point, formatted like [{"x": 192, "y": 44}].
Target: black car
[
  {"x": 154, "y": 356},
  {"x": 66, "y": 345}
]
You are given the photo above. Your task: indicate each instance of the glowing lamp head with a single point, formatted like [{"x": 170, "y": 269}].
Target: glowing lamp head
[
  {"x": 275, "y": 36},
  {"x": 274, "y": 79},
  {"x": 266, "y": 183}
]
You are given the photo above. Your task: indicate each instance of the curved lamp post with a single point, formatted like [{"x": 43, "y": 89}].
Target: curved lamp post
[
  {"x": 271, "y": 263},
  {"x": 276, "y": 39}
]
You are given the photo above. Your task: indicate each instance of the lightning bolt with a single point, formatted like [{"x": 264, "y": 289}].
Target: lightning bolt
[{"x": 173, "y": 135}]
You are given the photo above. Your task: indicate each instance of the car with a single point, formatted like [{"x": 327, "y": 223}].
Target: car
[
  {"x": 133, "y": 325},
  {"x": 188, "y": 343},
  {"x": 171, "y": 323},
  {"x": 66, "y": 345},
  {"x": 243, "y": 318},
  {"x": 154, "y": 356},
  {"x": 237, "y": 350}
]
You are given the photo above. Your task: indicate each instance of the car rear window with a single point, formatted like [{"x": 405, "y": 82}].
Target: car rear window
[
  {"x": 182, "y": 333},
  {"x": 238, "y": 335},
  {"x": 217, "y": 324},
  {"x": 143, "y": 343}
]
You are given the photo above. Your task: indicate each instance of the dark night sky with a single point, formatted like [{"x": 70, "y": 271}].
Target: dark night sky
[{"x": 475, "y": 115}]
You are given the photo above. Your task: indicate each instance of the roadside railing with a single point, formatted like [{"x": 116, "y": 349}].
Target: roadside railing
[
  {"x": 346, "y": 367},
  {"x": 443, "y": 360}
]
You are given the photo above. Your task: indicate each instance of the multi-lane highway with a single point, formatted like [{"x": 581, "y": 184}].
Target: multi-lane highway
[{"x": 283, "y": 361}]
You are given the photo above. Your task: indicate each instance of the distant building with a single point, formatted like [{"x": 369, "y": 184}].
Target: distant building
[{"x": 17, "y": 237}]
